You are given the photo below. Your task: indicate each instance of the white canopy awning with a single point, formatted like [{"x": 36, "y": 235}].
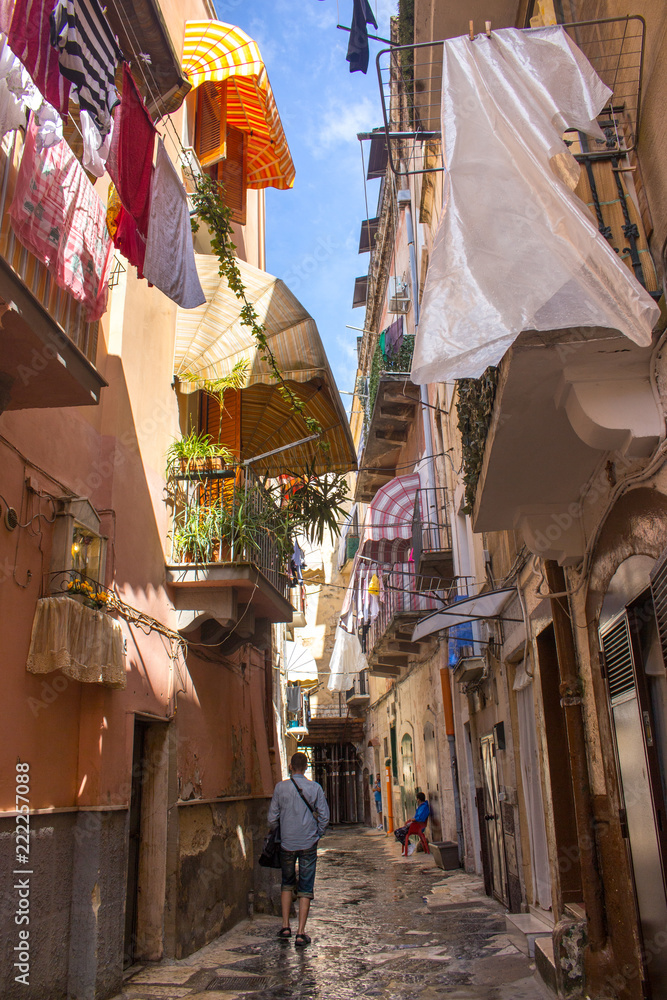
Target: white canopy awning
[
  {"x": 300, "y": 664},
  {"x": 469, "y": 609}
]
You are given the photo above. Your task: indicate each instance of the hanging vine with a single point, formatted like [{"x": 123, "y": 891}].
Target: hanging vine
[
  {"x": 474, "y": 406},
  {"x": 211, "y": 210}
]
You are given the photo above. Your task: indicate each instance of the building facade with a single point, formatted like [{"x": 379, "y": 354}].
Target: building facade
[
  {"x": 552, "y": 467},
  {"x": 143, "y": 611}
]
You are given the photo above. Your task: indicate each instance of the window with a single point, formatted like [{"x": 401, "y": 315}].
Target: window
[{"x": 221, "y": 148}]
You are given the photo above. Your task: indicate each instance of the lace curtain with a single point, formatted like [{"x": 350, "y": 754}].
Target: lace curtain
[{"x": 85, "y": 644}]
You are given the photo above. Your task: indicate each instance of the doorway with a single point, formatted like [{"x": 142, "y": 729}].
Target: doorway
[
  {"x": 147, "y": 847},
  {"x": 408, "y": 785},
  {"x": 432, "y": 780},
  {"x": 635, "y": 675},
  {"x": 493, "y": 819}
]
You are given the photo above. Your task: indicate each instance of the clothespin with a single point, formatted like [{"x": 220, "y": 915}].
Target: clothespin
[
  {"x": 471, "y": 30},
  {"x": 487, "y": 28}
]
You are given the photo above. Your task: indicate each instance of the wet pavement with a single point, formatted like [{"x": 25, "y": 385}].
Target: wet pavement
[{"x": 381, "y": 926}]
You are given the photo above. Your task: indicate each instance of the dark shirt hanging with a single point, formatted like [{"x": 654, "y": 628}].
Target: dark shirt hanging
[{"x": 357, "y": 50}]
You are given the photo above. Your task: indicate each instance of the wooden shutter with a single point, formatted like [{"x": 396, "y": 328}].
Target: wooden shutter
[
  {"x": 618, "y": 657},
  {"x": 225, "y": 427},
  {"x": 659, "y": 594},
  {"x": 210, "y": 122},
  {"x": 233, "y": 173}
]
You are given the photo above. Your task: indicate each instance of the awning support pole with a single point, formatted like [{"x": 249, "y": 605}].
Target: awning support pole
[{"x": 276, "y": 451}]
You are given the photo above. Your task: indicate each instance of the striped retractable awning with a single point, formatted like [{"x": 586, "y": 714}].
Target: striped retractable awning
[
  {"x": 300, "y": 664},
  {"x": 210, "y": 341},
  {"x": 222, "y": 53},
  {"x": 388, "y": 536}
]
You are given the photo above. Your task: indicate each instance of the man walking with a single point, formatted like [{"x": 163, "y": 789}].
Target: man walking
[{"x": 300, "y": 807}]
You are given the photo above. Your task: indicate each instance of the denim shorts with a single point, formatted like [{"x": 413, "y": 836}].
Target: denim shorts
[{"x": 307, "y": 863}]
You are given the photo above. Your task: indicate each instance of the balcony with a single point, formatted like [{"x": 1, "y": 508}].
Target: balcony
[
  {"x": 407, "y": 598},
  {"x": 227, "y": 560},
  {"x": 358, "y": 695},
  {"x": 432, "y": 535},
  {"x": 390, "y": 411},
  {"x": 48, "y": 350}
]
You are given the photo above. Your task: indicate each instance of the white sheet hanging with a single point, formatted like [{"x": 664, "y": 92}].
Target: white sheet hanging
[
  {"x": 346, "y": 661},
  {"x": 515, "y": 249}
]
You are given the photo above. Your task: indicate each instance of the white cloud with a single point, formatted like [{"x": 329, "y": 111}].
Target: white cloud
[{"x": 342, "y": 120}]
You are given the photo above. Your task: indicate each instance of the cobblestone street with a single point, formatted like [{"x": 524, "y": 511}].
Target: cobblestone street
[{"x": 381, "y": 926}]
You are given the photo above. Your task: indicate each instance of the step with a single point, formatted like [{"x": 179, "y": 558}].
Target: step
[
  {"x": 523, "y": 929},
  {"x": 545, "y": 963}
]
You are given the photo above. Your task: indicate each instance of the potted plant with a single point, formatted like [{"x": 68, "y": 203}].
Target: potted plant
[{"x": 195, "y": 452}]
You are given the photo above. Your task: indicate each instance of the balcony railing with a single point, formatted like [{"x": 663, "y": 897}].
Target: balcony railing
[
  {"x": 225, "y": 516},
  {"x": 359, "y": 690},
  {"x": 432, "y": 533},
  {"x": 65, "y": 311},
  {"x": 407, "y": 597}
]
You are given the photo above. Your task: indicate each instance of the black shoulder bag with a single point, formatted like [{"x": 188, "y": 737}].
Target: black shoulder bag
[{"x": 270, "y": 856}]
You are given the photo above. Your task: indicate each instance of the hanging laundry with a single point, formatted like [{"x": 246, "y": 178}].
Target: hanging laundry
[
  {"x": 124, "y": 233},
  {"x": 357, "y": 49},
  {"x": 12, "y": 107},
  {"x": 88, "y": 55},
  {"x": 130, "y": 163},
  {"x": 58, "y": 217},
  {"x": 49, "y": 127},
  {"x": 30, "y": 39},
  {"x": 515, "y": 248},
  {"x": 293, "y": 699},
  {"x": 299, "y": 561},
  {"x": 6, "y": 14},
  {"x": 393, "y": 340},
  {"x": 170, "y": 257},
  {"x": 95, "y": 148}
]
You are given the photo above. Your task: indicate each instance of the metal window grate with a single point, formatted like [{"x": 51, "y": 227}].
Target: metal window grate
[
  {"x": 618, "y": 658},
  {"x": 410, "y": 80},
  {"x": 659, "y": 592}
]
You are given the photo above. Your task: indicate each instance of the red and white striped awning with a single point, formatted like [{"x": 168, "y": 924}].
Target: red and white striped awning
[{"x": 388, "y": 536}]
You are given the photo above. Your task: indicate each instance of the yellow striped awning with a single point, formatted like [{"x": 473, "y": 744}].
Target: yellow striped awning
[
  {"x": 217, "y": 52},
  {"x": 210, "y": 341}
]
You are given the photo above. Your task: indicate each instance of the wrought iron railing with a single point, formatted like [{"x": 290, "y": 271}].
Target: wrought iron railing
[
  {"x": 359, "y": 687},
  {"x": 431, "y": 530},
  {"x": 410, "y": 81},
  {"x": 226, "y": 516},
  {"x": 64, "y": 310},
  {"x": 405, "y": 595}
]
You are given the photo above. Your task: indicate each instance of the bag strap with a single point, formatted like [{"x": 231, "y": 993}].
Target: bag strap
[{"x": 302, "y": 795}]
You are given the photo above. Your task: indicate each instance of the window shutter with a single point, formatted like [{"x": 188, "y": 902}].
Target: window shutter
[
  {"x": 210, "y": 123},
  {"x": 659, "y": 593},
  {"x": 618, "y": 657},
  {"x": 233, "y": 174}
]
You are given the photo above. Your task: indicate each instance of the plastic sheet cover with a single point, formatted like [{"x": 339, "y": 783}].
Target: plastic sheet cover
[
  {"x": 346, "y": 661},
  {"x": 515, "y": 248}
]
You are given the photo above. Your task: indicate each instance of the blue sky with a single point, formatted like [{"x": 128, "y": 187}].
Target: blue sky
[{"x": 313, "y": 230}]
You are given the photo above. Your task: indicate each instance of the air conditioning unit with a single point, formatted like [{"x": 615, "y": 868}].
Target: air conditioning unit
[
  {"x": 399, "y": 296},
  {"x": 470, "y": 669}
]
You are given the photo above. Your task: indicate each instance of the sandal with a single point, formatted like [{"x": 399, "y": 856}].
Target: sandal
[
  {"x": 284, "y": 933},
  {"x": 301, "y": 940}
]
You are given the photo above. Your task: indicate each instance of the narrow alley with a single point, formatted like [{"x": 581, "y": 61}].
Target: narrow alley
[{"x": 381, "y": 926}]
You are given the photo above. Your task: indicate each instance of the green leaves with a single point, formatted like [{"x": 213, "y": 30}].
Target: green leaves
[{"x": 474, "y": 406}]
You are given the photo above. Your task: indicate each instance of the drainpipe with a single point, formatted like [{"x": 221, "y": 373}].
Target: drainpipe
[
  {"x": 445, "y": 683},
  {"x": 390, "y": 797},
  {"x": 570, "y": 689}
]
